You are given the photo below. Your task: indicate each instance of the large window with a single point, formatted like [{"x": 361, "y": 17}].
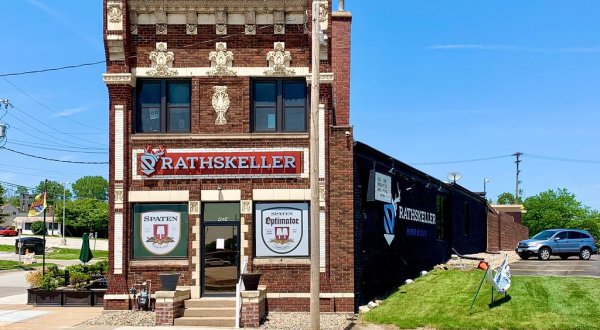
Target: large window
[
  {"x": 279, "y": 105},
  {"x": 163, "y": 106}
]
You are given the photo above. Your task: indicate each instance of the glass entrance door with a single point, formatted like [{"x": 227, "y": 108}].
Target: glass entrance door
[{"x": 220, "y": 250}]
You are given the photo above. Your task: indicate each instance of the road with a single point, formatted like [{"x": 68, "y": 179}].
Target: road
[
  {"x": 556, "y": 266},
  {"x": 72, "y": 242}
]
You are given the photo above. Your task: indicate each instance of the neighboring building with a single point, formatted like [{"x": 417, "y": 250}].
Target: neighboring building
[
  {"x": 209, "y": 119},
  {"x": 514, "y": 210},
  {"x": 52, "y": 228},
  {"x": 8, "y": 213}
]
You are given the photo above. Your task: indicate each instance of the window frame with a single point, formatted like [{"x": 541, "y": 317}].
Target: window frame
[
  {"x": 165, "y": 107},
  {"x": 279, "y": 105}
]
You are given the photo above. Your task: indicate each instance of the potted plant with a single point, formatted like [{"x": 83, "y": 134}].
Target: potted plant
[
  {"x": 169, "y": 281},
  {"x": 251, "y": 280}
]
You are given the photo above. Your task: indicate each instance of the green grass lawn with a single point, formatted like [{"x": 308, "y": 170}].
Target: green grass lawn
[
  {"x": 70, "y": 254},
  {"x": 60, "y": 253},
  {"x": 441, "y": 300},
  {"x": 9, "y": 264}
]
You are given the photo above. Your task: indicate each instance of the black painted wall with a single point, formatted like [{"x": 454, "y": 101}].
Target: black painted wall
[{"x": 380, "y": 267}]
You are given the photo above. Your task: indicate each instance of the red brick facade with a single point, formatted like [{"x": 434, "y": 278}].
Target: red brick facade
[
  {"x": 131, "y": 52},
  {"x": 503, "y": 232}
]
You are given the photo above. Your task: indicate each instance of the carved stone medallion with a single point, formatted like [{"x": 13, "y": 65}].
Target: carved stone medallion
[
  {"x": 162, "y": 61},
  {"x": 221, "y": 61},
  {"x": 220, "y": 102},
  {"x": 279, "y": 61}
]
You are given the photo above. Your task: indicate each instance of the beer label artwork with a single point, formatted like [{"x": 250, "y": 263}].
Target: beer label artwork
[
  {"x": 160, "y": 231},
  {"x": 283, "y": 231},
  {"x": 163, "y": 163}
]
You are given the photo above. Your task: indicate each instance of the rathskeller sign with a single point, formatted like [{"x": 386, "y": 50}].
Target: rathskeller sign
[{"x": 161, "y": 163}]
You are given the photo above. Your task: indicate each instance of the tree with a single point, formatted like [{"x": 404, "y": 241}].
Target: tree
[
  {"x": 37, "y": 227},
  {"x": 16, "y": 199},
  {"x": 88, "y": 214},
  {"x": 55, "y": 193},
  {"x": 507, "y": 198},
  {"x": 91, "y": 187},
  {"x": 554, "y": 209},
  {"x": 2, "y": 192}
]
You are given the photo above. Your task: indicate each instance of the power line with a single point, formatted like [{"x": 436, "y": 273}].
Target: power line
[
  {"x": 57, "y": 149},
  {"x": 57, "y": 145},
  {"x": 463, "y": 161},
  {"x": 48, "y": 108},
  {"x": 52, "y": 159},
  {"x": 561, "y": 159},
  {"x": 51, "y": 69}
]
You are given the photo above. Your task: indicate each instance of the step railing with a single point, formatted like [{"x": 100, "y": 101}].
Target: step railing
[{"x": 238, "y": 293}]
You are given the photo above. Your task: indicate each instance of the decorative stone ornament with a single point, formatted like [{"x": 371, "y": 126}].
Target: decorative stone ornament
[
  {"x": 220, "y": 102},
  {"x": 279, "y": 61},
  {"x": 246, "y": 206},
  {"x": 162, "y": 61},
  {"x": 279, "y": 21},
  {"x": 191, "y": 19},
  {"x": 133, "y": 21},
  {"x": 194, "y": 208},
  {"x": 114, "y": 15},
  {"x": 250, "y": 22},
  {"x": 221, "y": 20},
  {"x": 221, "y": 61},
  {"x": 323, "y": 15},
  {"x": 160, "y": 17}
]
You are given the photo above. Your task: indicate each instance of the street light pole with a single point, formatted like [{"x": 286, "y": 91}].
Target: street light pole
[
  {"x": 485, "y": 181},
  {"x": 64, "y": 241}
]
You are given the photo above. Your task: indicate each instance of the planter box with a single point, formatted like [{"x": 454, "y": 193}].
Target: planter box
[{"x": 65, "y": 297}]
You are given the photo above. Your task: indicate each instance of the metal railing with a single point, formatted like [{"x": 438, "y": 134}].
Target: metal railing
[{"x": 238, "y": 293}]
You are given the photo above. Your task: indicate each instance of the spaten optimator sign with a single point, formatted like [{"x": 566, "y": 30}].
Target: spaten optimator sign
[{"x": 163, "y": 163}]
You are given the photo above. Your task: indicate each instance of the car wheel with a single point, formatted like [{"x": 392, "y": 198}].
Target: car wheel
[
  {"x": 524, "y": 256},
  {"x": 585, "y": 254},
  {"x": 564, "y": 257},
  {"x": 544, "y": 254}
]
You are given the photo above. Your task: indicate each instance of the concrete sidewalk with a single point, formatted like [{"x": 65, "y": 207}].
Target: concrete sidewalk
[{"x": 53, "y": 241}]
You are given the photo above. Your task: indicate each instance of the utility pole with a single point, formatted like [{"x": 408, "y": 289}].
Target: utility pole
[
  {"x": 518, "y": 181},
  {"x": 485, "y": 181},
  {"x": 315, "y": 314},
  {"x": 64, "y": 241}
]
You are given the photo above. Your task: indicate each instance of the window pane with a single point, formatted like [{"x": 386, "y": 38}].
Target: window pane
[
  {"x": 150, "y": 93},
  {"x": 294, "y": 93},
  {"x": 179, "y": 119},
  {"x": 264, "y": 119},
  {"x": 150, "y": 119},
  {"x": 295, "y": 119},
  {"x": 265, "y": 94},
  {"x": 179, "y": 94}
]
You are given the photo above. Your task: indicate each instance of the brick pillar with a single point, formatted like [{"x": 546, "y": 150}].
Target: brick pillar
[
  {"x": 254, "y": 307},
  {"x": 170, "y": 305},
  {"x": 340, "y": 63}
]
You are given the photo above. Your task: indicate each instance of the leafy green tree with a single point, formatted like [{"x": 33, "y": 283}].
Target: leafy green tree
[
  {"x": 88, "y": 214},
  {"x": 91, "y": 187},
  {"x": 55, "y": 193},
  {"x": 553, "y": 209},
  {"x": 37, "y": 227},
  {"x": 16, "y": 199},
  {"x": 2, "y": 197},
  {"x": 507, "y": 198}
]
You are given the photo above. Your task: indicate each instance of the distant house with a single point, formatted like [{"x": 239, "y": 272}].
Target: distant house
[
  {"x": 7, "y": 214},
  {"x": 53, "y": 228}
]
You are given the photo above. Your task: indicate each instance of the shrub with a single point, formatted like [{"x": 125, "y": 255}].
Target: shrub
[
  {"x": 34, "y": 278},
  {"x": 79, "y": 279},
  {"x": 49, "y": 282},
  {"x": 37, "y": 227}
]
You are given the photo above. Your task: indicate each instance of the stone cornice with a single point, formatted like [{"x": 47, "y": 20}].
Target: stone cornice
[
  {"x": 119, "y": 78},
  {"x": 212, "y": 5}
]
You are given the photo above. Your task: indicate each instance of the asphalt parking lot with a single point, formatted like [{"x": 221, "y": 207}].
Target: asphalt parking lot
[{"x": 556, "y": 266}]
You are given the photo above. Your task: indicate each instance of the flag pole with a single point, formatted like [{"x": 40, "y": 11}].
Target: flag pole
[{"x": 44, "y": 230}]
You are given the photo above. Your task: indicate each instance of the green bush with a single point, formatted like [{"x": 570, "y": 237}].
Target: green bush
[
  {"x": 37, "y": 227},
  {"x": 79, "y": 279},
  {"x": 50, "y": 282}
]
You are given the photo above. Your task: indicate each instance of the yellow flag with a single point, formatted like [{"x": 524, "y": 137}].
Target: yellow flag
[{"x": 38, "y": 206}]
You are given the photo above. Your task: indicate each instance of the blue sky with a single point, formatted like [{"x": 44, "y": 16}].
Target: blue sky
[{"x": 432, "y": 81}]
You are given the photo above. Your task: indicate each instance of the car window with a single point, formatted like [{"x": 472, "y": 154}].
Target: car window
[
  {"x": 562, "y": 235},
  {"x": 544, "y": 234},
  {"x": 577, "y": 235}
]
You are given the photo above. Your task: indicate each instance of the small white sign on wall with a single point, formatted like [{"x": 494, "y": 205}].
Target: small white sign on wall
[{"x": 220, "y": 243}]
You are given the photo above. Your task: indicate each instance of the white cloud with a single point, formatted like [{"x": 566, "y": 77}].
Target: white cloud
[
  {"x": 514, "y": 48},
  {"x": 70, "y": 111}
]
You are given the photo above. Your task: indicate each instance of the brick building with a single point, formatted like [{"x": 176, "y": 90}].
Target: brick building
[{"x": 209, "y": 144}]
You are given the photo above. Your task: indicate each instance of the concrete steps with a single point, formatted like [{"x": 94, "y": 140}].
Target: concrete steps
[{"x": 208, "y": 312}]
